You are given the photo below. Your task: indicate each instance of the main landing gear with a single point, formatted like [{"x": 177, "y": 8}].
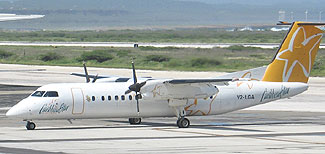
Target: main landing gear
[
  {"x": 30, "y": 125},
  {"x": 135, "y": 121},
  {"x": 179, "y": 110}
]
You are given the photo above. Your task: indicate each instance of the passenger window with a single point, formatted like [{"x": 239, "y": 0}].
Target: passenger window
[
  {"x": 116, "y": 97},
  {"x": 51, "y": 94},
  {"x": 103, "y": 98},
  {"x": 38, "y": 93},
  {"x": 123, "y": 97},
  {"x": 130, "y": 97},
  {"x": 93, "y": 98},
  {"x": 109, "y": 98}
]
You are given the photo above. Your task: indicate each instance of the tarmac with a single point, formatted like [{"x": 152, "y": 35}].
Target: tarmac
[{"x": 295, "y": 125}]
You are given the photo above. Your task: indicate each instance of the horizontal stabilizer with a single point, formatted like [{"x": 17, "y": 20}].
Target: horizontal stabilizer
[
  {"x": 302, "y": 23},
  {"x": 311, "y": 24}
]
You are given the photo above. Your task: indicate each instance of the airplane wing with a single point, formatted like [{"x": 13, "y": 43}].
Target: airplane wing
[
  {"x": 181, "y": 88},
  {"x": 7, "y": 17},
  {"x": 187, "y": 81},
  {"x": 91, "y": 76},
  {"x": 106, "y": 78}
]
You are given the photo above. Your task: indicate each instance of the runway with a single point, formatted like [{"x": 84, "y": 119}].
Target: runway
[
  {"x": 293, "y": 125},
  {"x": 143, "y": 44},
  {"x": 238, "y": 132}
]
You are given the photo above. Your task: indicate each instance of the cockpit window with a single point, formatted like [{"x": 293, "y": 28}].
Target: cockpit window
[
  {"x": 38, "y": 93},
  {"x": 51, "y": 94}
]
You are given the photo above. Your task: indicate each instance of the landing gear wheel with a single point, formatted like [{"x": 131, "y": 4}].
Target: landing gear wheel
[
  {"x": 30, "y": 125},
  {"x": 183, "y": 123},
  {"x": 135, "y": 121}
]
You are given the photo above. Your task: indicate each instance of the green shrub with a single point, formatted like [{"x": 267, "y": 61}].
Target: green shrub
[
  {"x": 174, "y": 63},
  {"x": 151, "y": 48},
  {"x": 259, "y": 56},
  {"x": 157, "y": 58},
  {"x": 200, "y": 62},
  {"x": 318, "y": 64},
  {"x": 50, "y": 56},
  {"x": 236, "y": 48},
  {"x": 240, "y": 48},
  {"x": 97, "y": 55},
  {"x": 146, "y": 48},
  {"x": 5, "y": 54},
  {"x": 122, "y": 53}
]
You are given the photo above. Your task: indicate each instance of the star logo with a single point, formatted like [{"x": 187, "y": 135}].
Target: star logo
[
  {"x": 156, "y": 90},
  {"x": 249, "y": 84},
  {"x": 300, "y": 53},
  {"x": 196, "y": 108},
  {"x": 88, "y": 98}
]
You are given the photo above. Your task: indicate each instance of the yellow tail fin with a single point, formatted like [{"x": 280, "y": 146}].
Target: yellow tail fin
[{"x": 295, "y": 57}]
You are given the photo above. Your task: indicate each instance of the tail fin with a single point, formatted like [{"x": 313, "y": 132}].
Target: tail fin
[{"x": 295, "y": 57}]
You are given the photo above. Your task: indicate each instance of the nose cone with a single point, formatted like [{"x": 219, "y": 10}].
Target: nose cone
[
  {"x": 14, "y": 112},
  {"x": 11, "y": 113},
  {"x": 18, "y": 111}
]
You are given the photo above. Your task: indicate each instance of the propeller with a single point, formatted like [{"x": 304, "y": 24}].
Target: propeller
[
  {"x": 87, "y": 75},
  {"x": 136, "y": 87}
]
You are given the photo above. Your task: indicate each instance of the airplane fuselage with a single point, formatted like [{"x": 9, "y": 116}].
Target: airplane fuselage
[{"x": 107, "y": 100}]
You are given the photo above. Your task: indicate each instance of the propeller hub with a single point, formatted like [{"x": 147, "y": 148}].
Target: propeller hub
[{"x": 137, "y": 86}]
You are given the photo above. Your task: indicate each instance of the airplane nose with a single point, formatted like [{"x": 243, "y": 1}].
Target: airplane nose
[
  {"x": 17, "y": 111},
  {"x": 12, "y": 112}
]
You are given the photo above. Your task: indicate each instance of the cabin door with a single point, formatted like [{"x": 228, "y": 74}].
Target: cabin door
[{"x": 78, "y": 101}]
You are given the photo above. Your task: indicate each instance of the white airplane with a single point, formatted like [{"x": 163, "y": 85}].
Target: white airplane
[
  {"x": 110, "y": 97},
  {"x": 7, "y": 17}
]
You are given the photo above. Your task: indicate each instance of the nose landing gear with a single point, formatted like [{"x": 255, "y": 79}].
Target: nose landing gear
[
  {"x": 183, "y": 122},
  {"x": 135, "y": 121},
  {"x": 30, "y": 125}
]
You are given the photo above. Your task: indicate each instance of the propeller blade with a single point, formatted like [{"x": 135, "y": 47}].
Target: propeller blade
[
  {"x": 127, "y": 92},
  {"x": 135, "y": 80},
  {"x": 136, "y": 87},
  {"x": 86, "y": 72},
  {"x": 142, "y": 84},
  {"x": 138, "y": 107},
  {"x": 137, "y": 98},
  {"x": 95, "y": 78}
]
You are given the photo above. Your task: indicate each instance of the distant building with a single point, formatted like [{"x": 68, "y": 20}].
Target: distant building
[
  {"x": 274, "y": 29},
  {"x": 246, "y": 29}
]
